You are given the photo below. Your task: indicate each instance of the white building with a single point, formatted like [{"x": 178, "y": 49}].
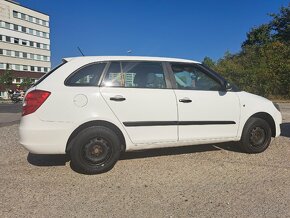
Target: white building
[{"x": 24, "y": 41}]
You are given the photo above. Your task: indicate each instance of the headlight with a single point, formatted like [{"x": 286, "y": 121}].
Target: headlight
[{"x": 277, "y": 106}]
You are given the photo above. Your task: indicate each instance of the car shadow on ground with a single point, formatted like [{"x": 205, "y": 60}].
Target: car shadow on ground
[
  {"x": 61, "y": 159},
  {"x": 47, "y": 159},
  {"x": 285, "y": 130},
  {"x": 230, "y": 146}
]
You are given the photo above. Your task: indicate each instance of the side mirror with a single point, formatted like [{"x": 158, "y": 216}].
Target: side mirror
[{"x": 228, "y": 86}]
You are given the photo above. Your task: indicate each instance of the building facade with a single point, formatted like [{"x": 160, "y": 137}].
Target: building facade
[{"x": 24, "y": 43}]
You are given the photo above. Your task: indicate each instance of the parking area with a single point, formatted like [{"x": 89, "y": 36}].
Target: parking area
[{"x": 196, "y": 181}]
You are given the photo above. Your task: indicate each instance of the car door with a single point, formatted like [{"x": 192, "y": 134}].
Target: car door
[
  {"x": 139, "y": 95},
  {"x": 205, "y": 112}
]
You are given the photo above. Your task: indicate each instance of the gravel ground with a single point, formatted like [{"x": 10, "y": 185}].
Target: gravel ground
[{"x": 196, "y": 181}]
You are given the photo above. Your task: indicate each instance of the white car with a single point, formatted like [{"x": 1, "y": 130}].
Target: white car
[{"x": 93, "y": 108}]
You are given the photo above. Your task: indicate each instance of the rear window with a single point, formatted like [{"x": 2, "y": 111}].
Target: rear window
[
  {"x": 86, "y": 76},
  {"x": 47, "y": 74}
]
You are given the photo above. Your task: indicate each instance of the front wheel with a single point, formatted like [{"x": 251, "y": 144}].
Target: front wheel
[
  {"x": 95, "y": 150},
  {"x": 256, "y": 136}
]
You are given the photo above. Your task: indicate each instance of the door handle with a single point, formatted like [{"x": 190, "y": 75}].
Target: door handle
[
  {"x": 117, "y": 98},
  {"x": 185, "y": 100}
]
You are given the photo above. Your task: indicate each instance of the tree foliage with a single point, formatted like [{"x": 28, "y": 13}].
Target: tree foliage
[
  {"x": 263, "y": 64},
  {"x": 6, "y": 78},
  {"x": 26, "y": 83}
]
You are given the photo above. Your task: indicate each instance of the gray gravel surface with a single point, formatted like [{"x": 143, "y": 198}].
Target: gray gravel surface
[
  {"x": 10, "y": 113},
  {"x": 196, "y": 181}
]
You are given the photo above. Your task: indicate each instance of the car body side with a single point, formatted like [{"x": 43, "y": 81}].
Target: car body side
[{"x": 50, "y": 129}]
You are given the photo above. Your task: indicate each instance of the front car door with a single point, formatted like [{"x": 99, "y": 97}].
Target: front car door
[
  {"x": 140, "y": 96},
  {"x": 205, "y": 113}
]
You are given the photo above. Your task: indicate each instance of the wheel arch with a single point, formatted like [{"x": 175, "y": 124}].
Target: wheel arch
[
  {"x": 268, "y": 118},
  {"x": 96, "y": 123}
]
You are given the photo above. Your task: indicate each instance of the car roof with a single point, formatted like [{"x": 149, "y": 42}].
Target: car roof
[{"x": 128, "y": 58}]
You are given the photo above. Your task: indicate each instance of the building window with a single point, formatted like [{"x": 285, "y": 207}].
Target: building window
[
  {"x": 25, "y": 68},
  {"x": 16, "y": 53},
  {"x": 7, "y": 25},
  {"x": 1, "y": 51},
  {"x": 39, "y": 69},
  {"x": 25, "y": 43},
  {"x": 15, "y": 14},
  {"x": 23, "y": 29},
  {"x": 45, "y": 69},
  {"x": 24, "y": 54},
  {"x": 32, "y": 68},
  {"x": 8, "y": 52},
  {"x": 17, "y": 67}
]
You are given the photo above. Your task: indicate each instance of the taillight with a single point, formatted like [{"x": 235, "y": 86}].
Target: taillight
[{"x": 33, "y": 100}]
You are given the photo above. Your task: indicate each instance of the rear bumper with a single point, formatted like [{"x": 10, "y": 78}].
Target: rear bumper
[{"x": 40, "y": 137}]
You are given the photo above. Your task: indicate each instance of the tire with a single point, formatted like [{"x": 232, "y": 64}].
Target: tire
[
  {"x": 95, "y": 150},
  {"x": 256, "y": 136}
]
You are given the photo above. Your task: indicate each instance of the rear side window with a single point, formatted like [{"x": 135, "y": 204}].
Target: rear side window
[
  {"x": 135, "y": 75},
  {"x": 86, "y": 76}
]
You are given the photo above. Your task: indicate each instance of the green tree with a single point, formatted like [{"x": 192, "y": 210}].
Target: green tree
[
  {"x": 26, "y": 83},
  {"x": 6, "y": 78},
  {"x": 208, "y": 62},
  {"x": 258, "y": 36},
  {"x": 263, "y": 64},
  {"x": 281, "y": 25}
]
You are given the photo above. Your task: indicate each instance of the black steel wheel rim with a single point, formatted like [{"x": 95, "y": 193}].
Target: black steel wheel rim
[
  {"x": 97, "y": 151},
  {"x": 258, "y": 136}
]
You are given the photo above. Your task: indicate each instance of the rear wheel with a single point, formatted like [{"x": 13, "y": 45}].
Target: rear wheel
[
  {"x": 256, "y": 136},
  {"x": 95, "y": 150}
]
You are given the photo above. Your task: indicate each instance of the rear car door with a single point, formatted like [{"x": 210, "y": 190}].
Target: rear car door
[
  {"x": 206, "y": 113},
  {"x": 140, "y": 96}
]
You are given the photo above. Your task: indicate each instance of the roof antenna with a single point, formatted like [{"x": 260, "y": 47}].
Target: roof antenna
[{"x": 80, "y": 51}]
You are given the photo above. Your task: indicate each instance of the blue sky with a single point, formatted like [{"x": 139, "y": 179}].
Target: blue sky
[{"x": 172, "y": 28}]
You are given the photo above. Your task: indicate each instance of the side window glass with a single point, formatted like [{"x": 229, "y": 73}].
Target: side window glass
[
  {"x": 114, "y": 76},
  {"x": 86, "y": 76},
  {"x": 144, "y": 75},
  {"x": 192, "y": 78},
  {"x": 135, "y": 75}
]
